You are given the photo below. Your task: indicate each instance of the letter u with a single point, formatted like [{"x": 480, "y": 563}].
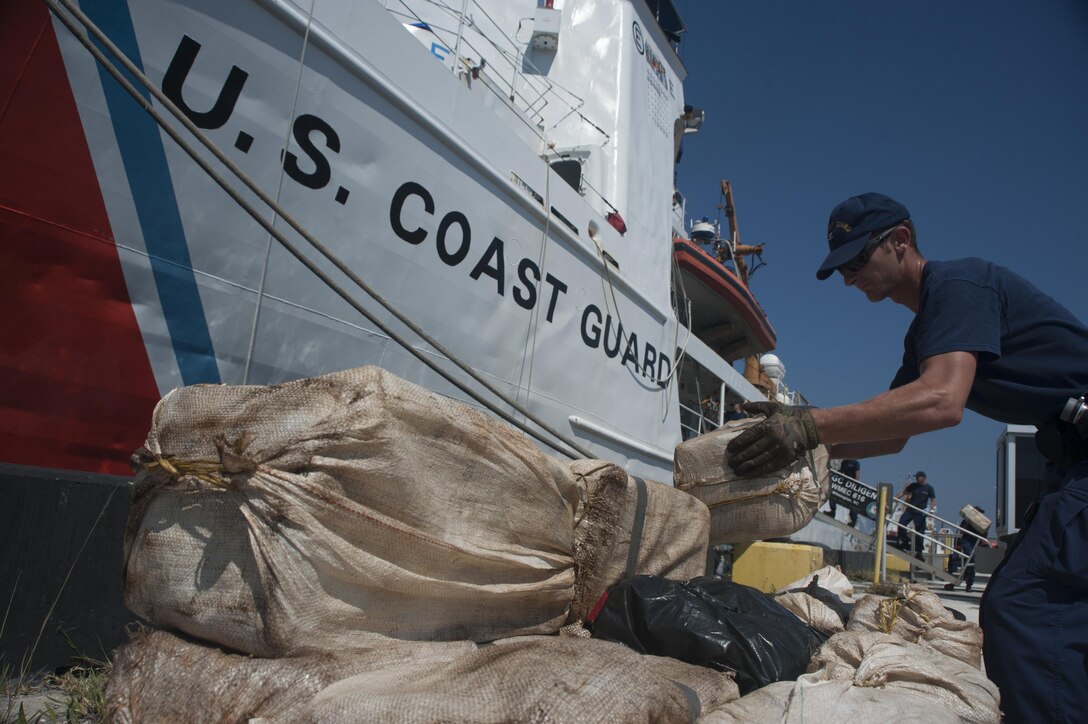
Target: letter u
[{"x": 172, "y": 82}]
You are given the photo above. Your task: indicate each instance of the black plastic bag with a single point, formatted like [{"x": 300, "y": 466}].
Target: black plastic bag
[
  {"x": 710, "y": 622},
  {"x": 958, "y": 615},
  {"x": 826, "y": 597}
]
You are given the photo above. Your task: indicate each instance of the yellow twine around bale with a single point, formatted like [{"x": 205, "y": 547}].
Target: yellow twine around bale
[
  {"x": 231, "y": 460},
  {"x": 206, "y": 471},
  {"x": 887, "y": 611}
]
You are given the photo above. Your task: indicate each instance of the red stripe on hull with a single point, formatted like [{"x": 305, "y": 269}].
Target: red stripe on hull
[{"x": 76, "y": 387}]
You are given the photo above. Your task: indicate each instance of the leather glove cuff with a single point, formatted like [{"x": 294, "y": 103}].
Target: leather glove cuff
[{"x": 812, "y": 434}]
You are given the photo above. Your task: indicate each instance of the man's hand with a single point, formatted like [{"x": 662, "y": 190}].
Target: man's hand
[{"x": 773, "y": 443}]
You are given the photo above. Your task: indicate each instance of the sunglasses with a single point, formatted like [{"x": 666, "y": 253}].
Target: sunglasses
[{"x": 856, "y": 264}]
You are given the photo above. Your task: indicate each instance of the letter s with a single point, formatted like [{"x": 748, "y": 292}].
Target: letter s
[
  {"x": 305, "y": 125},
  {"x": 527, "y": 299}
]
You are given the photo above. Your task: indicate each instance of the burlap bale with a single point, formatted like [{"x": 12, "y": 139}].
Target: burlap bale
[
  {"x": 830, "y": 578},
  {"x": 748, "y": 509},
  {"x": 917, "y": 616},
  {"x": 841, "y": 655},
  {"x": 867, "y": 676},
  {"x": 536, "y": 678},
  {"x": 576, "y": 630},
  {"x": 161, "y": 677},
  {"x": 626, "y": 526},
  {"x": 976, "y": 518},
  {"x": 887, "y": 661},
  {"x": 812, "y": 699},
  {"x": 301, "y": 517},
  {"x": 815, "y": 613}
]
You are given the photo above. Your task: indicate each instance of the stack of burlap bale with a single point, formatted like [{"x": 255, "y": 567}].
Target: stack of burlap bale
[
  {"x": 901, "y": 658},
  {"x": 743, "y": 510},
  {"x": 353, "y": 547}
]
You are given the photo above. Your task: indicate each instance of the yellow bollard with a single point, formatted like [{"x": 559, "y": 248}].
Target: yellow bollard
[{"x": 883, "y": 491}]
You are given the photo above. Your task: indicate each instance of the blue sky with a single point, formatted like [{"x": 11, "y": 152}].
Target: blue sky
[{"x": 973, "y": 114}]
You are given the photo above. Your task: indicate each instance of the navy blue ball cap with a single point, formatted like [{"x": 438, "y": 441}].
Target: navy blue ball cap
[{"x": 853, "y": 222}]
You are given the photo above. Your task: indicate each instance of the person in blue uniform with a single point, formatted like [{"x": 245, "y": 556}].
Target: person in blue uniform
[
  {"x": 985, "y": 339},
  {"x": 921, "y": 495},
  {"x": 966, "y": 545}
]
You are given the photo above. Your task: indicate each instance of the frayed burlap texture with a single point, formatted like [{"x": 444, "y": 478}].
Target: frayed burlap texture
[
  {"x": 811, "y": 699},
  {"x": 918, "y": 616},
  {"x": 302, "y": 517},
  {"x": 887, "y": 661},
  {"x": 812, "y": 611},
  {"x": 625, "y": 526},
  {"x": 749, "y": 509},
  {"x": 161, "y": 677}
]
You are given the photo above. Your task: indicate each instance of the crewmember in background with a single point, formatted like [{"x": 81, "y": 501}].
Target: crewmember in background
[
  {"x": 966, "y": 544},
  {"x": 919, "y": 494},
  {"x": 736, "y": 412},
  {"x": 986, "y": 339}
]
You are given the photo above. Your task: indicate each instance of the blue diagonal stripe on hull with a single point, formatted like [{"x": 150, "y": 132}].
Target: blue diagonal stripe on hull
[{"x": 152, "y": 189}]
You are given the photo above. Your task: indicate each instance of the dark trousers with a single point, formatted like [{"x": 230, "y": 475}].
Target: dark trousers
[
  {"x": 1035, "y": 611},
  {"x": 918, "y": 520},
  {"x": 833, "y": 508},
  {"x": 967, "y": 546}
]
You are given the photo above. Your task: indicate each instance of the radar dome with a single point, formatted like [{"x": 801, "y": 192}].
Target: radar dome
[
  {"x": 703, "y": 231},
  {"x": 772, "y": 366}
]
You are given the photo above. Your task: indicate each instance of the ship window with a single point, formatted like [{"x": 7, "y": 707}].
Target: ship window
[{"x": 570, "y": 170}]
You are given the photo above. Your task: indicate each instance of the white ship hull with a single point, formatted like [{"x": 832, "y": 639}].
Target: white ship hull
[{"x": 426, "y": 175}]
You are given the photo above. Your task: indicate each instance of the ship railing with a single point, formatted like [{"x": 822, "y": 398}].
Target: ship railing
[
  {"x": 693, "y": 422},
  {"x": 481, "y": 48}
]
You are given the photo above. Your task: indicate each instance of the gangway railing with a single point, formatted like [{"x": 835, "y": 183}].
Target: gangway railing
[
  {"x": 937, "y": 544},
  {"x": 939, "y": 547},
  {"x": 870, "y": 541}
]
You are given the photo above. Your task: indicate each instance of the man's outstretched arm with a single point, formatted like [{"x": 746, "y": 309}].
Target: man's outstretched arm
[
  {"x": 877, "y": 426},
  {"x": 883, "y": 424}
]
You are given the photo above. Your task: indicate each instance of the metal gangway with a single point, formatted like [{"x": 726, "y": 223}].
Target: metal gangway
[{"x": 936, "y": 561}]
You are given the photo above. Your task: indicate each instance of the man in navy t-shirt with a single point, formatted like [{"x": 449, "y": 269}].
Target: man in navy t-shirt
[
  {"x": 920, "y": 494},
  {"x": 983, "y": 338}
]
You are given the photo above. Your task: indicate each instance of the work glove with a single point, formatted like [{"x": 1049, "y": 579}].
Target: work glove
[{"x": 773, "y": 443}]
